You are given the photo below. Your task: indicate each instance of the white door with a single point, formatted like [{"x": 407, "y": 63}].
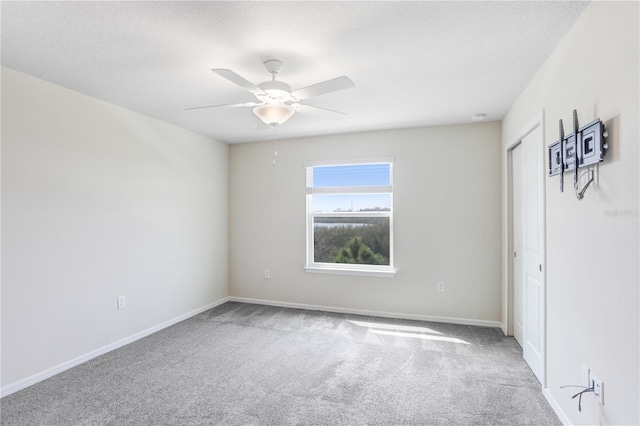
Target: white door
[
  {"x": 533, "y": 252},
  {"x": 516, "y": 197}
]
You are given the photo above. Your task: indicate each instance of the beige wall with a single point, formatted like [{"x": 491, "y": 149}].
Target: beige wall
[
  {"x": 446, "y": 222},
  {"x": 98, "y": 202},
  {"x": 592, "y": 256}
]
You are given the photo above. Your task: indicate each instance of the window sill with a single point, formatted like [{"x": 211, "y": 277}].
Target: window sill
[{"x": 360, "y": 272}]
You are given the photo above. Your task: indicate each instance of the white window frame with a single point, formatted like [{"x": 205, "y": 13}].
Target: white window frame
[{"x": 344, "y": 268}]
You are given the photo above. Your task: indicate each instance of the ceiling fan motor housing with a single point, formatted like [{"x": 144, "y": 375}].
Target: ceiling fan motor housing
[{"x": 277, "y": 91}]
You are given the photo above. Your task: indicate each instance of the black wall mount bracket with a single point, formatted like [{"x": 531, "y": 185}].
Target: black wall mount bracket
[{"x": 583, "y": 147}]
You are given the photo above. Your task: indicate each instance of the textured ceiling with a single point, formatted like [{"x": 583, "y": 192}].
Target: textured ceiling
[{"x": 414, "y": 64}]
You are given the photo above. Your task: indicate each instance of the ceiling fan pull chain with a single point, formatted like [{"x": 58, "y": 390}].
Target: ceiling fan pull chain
[{"x": 275, "y": 152}]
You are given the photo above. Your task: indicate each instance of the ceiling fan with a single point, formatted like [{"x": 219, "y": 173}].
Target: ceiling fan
[{"x": 276, "y": 102}]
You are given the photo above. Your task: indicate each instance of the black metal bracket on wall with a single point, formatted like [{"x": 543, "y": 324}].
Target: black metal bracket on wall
[{"x": 583, "y": 147}]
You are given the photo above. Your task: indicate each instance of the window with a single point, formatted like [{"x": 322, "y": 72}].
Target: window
[{"x": 350, "y": 218}]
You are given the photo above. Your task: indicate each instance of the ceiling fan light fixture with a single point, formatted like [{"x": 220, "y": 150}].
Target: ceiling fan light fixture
[{"x": 273, "y": 114}]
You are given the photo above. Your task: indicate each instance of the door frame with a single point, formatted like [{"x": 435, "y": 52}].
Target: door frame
[
  {"x": 507, "y": 235},
  {"x": 512, "y": 249}
]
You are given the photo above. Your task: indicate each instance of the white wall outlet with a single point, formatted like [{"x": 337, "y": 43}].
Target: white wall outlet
[
  {"x": 586, "y": 377},
  {"x": 122, "y": 302},
  {"x": 598, "y": 388},
  {"x": 267, "y": 274},
  {"x": 440, "y": 286}
]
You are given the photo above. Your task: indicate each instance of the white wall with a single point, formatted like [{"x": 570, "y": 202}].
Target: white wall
[
  {"x": 592, "y": 256},
  {"x": 98, "y": 202},
  {"x": 446, "y": 222}
]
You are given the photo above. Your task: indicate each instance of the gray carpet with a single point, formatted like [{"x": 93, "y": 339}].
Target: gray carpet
[{"x": 241, "y": 364}]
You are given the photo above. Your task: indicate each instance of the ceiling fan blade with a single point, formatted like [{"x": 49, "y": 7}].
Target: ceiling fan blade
[
  {"x": 248, "y": 104},
  {"x": 333, "y": 85},
  {"x": 319, "y": 112},
  {"x": 240, "y": 81}
]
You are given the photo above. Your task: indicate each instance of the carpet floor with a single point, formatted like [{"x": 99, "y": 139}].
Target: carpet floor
[{"x": 243, "y": 364}]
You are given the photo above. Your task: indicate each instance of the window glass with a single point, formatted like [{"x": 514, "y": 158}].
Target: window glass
[
  {"x": 352, "y": 240},
  {"x": 350, "y": 216},
  {"x": 351, "y": 175},
  {"x": 327, "y": 203}
]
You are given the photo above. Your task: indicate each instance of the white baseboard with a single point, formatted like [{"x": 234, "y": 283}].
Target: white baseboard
[
  {"x": 419, "y": 317},
  {"x": 556, "y": 408},
  {"x": 504, "y": 329},
  {"x": 38, "y": 377}
]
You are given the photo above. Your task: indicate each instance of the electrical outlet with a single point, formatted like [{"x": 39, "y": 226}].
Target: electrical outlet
[
  {"x": 586, "y": 377},
  {"x": 598, "y": 388},
  {"x": 122, "y": 302},
  {"x": 267, "y": 274},
  {"x": 440, "y": 286}
]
